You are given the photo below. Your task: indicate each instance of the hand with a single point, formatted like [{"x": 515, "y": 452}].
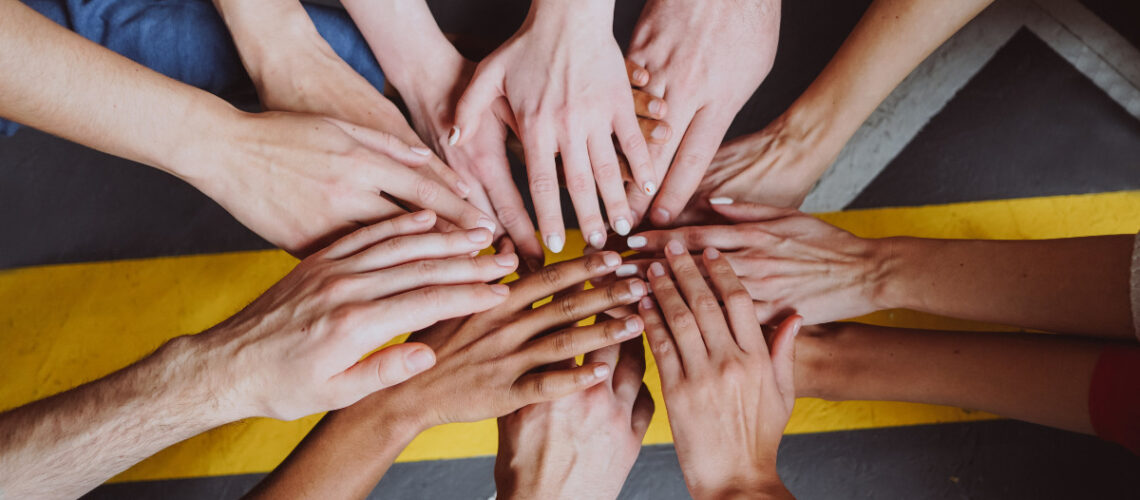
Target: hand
[
  {"x": 299, "y": 181},
  {"x": 714, "y": 359},
  {"x": 582, "y": 445},
  {"x": 486, "y": 362},
  {"x": 562, "y": 75},
  {"x": 297, "y": 349},
  {"x": 790, "y": 262},
  {"x": 707, "y": 59}
]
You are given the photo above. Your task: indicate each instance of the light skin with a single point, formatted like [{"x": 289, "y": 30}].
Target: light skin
[
  {"x": 486, "y": 368},
  {"x": 563, "y": 77},
  {"x": 299, "y": 181},
  {"x": 714, "y": 356},
  {"x": 779, "y": 165},
  {"x": 792, "y": 262},
  {"x": 707, "y": 59},
  {"x": 303, "y": 347}
]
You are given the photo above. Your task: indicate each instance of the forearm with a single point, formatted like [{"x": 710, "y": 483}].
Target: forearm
[
  {"x": 1032, "y": 377},
  {"x": 72, "y": 442},
  {"x": 1073, "y": 285},
  {"x": 264, "y": 30},
  {"x": 405, "y": 39},
  {"x": 63, "y": 84}
]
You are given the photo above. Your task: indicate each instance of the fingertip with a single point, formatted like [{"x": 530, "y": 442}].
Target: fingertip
[
  {"x": 426, "y": 217},
  {"x": 500, "y": 289},
  {"x": 600, "y": 371},
  {"x": 419, "y": 360}
]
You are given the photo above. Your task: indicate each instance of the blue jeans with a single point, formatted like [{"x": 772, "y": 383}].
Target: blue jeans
[{"x": 187, "y": 40}]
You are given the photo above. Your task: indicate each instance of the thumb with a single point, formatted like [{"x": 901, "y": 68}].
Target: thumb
[
  {"x": 736, "y": 211},
  {"x": 413, "y": 155},
  {"x": 485, "y": 87},
  {"x": 385, "y": 368},
  {"x": 784, "y": 357}
]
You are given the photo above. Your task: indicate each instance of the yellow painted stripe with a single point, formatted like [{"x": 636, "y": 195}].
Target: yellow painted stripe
[{"x": 68, "y": 324}]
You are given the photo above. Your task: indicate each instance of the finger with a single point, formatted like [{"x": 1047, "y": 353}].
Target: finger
[
  {"x": 542, "y": 177},
  {"x": 509, "y": 206},
  {"x": 385, "y": 143},
  {"x": 610, "y": 186},
  {"x": 696, "y": 151},
  {"x": 550, "y": 385},
  {"x": 403, "y": 249},
  {"x": 636, "y": 152},
  {"x": 427, "y": 272},
  {"x": 550, "y": 279},
  {"x": 784, "y": 357},
  {"x": 608, "y": 354},
  {"x": 421, "y": 191},
  {"x": 682, "y": 324},
  {"x": 642, "y": 413},
  {"x": 655, "y": 131},
  {"x": 630, "y": 369},
  {"x": 749, "y": 212},
  {"x": 575, "y": 341},
  {"x": 377, "y": 322},
  {"x": 486, "y": 86},
  {"x": 577, "y": 307},
  {"x": 661, "y": 344},
  {"x": 583, "y": 192},
  {"x": 702, "y": 302},
  {"x": 737, "y": 302},
  {"x": 647, "y": 105},
  {"x": 414, "y": 223},
  {"x": 638, "y": 76},
  {"x": 720, "y": 237},
  {"x": 381, "y": 370}
]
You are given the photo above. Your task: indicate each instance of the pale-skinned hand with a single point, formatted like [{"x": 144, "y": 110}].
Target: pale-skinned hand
[
  {"x": 297, "y": 349},
  {"x": 563, "y": 76},
  {"x": 728, "y": 395},
  {"x": 707, "y": 59}
]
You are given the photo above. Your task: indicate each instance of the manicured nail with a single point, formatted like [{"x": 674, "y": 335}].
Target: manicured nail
[
  {"x": 720, "y": 200},
  {"x": 657, "y": 269},
  {"x": 601, "y": 371},
  {"x": 633, "y": 325},
  {"x": 486, "y": 223},
  {"x": 419, "y": 360},
  {"x": 640, "y": 76},
  {"x": 662, "y": 215},
  {"x": 712, "y": 253},
  {"x": 507, "y": 260},
  {"x": 646, "y": 302},
  {"x": 597, "y": 239},
  {"x": 611, "y": 259},
  {"x": 637, "y": 288},
  {"x": 554, "y": 242},
  {"x": 626, "y": 270},
  {"x": 422, "y": 216},
  {"x": 453, "y": 137},
  {"x": 659, "y": 133},
  {"x": 650, "y": 187},
  {"x": 675, "y": 247},
  {"x": 655, "y": 106},
  {"x": 420, "y": 150},
  {"x": 622, "y": 226},
  {"x": 501, "y": 289},
  {"x": 478, "y": 235},
  {"x": 636, "y": 241},
  {"x": 462, "y": 187}
]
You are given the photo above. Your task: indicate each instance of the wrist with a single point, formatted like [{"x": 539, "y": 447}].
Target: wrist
[
  {"x": 890, "y": 280},
  {"x": 766, "y": 485},
  {"x": 187, "y": 376},
  {"x": 208, "y": 134},
  {"x": 583, "y": 14}
]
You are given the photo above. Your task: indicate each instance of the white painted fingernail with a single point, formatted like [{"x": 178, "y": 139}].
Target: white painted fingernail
[
  {"x": 657, "y": 269},
  {"x": 626, "y": 270},
  {"x": 650, "y": 187},
  {"x": 659, "y": 133},
  {"x": 720, "y": 200},
  {"x": 453, "y": 137},
  {"x": 611, "y": 259},
  {"x": 601, "y": 371},
  {"x": 636, "y": 241},
  {"x": 420, "y": 150},
  {"x": 597, "y": 239},
  {"x": 622, "y": 226},
  {"x": 675, "y": 247},
  {"x": 554, "y": 242}
]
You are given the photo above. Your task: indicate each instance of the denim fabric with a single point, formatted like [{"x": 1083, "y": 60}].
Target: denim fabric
[{"x": 187, "y": 40}]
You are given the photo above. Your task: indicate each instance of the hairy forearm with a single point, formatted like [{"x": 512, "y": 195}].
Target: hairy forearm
[
  {"x": 65, "y": 445},
  {"x": 1073, "y": 285},
  {"x": 1038, "y": 378},
  {"x": 61, "y": 83}
]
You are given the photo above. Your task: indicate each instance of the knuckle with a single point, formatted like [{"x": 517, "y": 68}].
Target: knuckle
[
  {"x": 738, "y": 297},
  {"x": 509, "y": 217},
  {"x": 342, "y": 319},
  {"x": 661, "y": 347},
  {"x": 431, "y": 296},
  {"x": 681, "y": 320},
  {"x": 570, "y": 308},
  {"x": 706, "y": 302},
  {"x": 732, "y": 369},
  {"x": 543, "y": 184},
  {"x": 427, "y": 267},
  {"x": 564, "y": 344},
  {"x": 579, "y": 182},
  {"x": 552, "y": 276},
  {"x": 427, "y": 191},
  {"x": 538, "y": 386}
]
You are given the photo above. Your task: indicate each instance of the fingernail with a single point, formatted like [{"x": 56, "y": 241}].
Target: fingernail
[
  {"x": 611, "y": 259},
  {"x": 463, "y": 187},
  {"x": 501, "y": 289},
  {"x": 554, "y": 243},
  {"x": 478, "y": 235},
  {"x": 486, "y": 223},
  {"x": 420, "y": 150},
  {"x": 655, "y": 106},
  {"x": 622, "y": 226},
  {"x": 659, "y": 133},
  {"x": 633, "y": 325},
  {"x": 662, "y": 215},
  {"x": 712, "y": 253},
  {"x": 650, "y": 187},
  {"x": 675, "y": 247},
  {"x": 640, "y": 76},
  {"x": 419, "y": 360},
  {"x": 601, "y": 371},
  {"x": 657, "y": 269},
  {"x": 421, "y": 216},
  {"x": 507, "y": 260},
  {"x": 626, "y": 270},
  {"x": 720, "y": 200},
  {"x": 636, "y": 241},
  {"x": 453, "y": 137},
  {"x": 637, "y": 288},
  {"x": 646, "y": 302},
  {"x": 597, "y": 239}
]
